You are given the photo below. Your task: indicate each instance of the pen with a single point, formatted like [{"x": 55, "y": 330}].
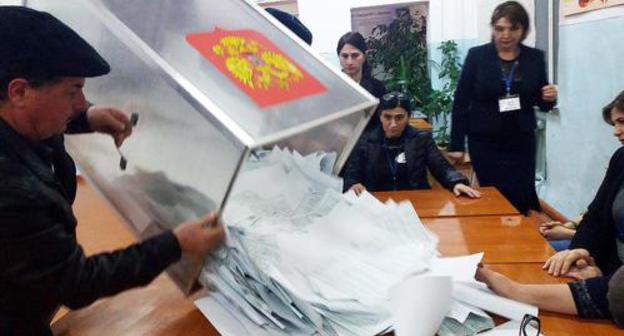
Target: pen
[{"x": 123, "y": 162}]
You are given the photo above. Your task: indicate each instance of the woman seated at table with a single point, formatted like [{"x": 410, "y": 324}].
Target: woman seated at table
[
  {"x": 601, "y": 232},
  {"x": 396, "y": 156},
  {"x": 596, "y": 250}
]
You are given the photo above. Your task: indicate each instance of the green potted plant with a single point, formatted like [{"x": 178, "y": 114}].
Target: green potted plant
[
  {"x": 398, "y": 55},
  {"x": 439, "y": 103}
]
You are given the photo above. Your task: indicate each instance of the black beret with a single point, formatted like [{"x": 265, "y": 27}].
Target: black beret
[
  {"x": 36, "y": 44},
  {"x": 292, "y": 23}
]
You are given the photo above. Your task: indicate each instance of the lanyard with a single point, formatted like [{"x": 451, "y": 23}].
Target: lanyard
[
  {"x": 392, "y": 164},
  {"x": 509, "y": 78}
]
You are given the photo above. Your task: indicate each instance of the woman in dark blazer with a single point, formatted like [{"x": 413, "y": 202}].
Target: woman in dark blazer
[{"x": 500, "y": 84}]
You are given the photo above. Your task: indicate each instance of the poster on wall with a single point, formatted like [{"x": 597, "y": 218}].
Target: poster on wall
[
  {"x": 571, "y": 7},
  {"x": 365, "y": 19}
]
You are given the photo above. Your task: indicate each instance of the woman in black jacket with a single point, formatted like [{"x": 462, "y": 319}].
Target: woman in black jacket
[
  {"x": 500, "y": 84},
  {"x": 351, "y": 51},
  {"x": 596, "y": 251},
  {"x": 396, "y": 156}
]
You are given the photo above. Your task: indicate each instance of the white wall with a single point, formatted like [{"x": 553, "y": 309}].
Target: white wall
[
  {"x": 579, "y": 143},
  {"x": 330, "y": 19},
  {"x": 10, "y": 2},
  {"x": 448, "y": 19}
]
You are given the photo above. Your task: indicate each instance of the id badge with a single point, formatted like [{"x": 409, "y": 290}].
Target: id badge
[
  {"x": 400, "y": 158},
  {"x": 509, "y": 103}
]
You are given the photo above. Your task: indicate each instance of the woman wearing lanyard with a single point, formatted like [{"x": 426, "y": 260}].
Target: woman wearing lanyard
[
  {"x": 500, "y": 84},
  {"x": 396, "y": 156}
]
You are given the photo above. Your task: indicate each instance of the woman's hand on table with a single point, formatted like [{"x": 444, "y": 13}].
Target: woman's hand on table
[
  {"x": 461, "y": 188},
  {"x": 556, "y": 231},
  {"x": 562, "y": 262}
]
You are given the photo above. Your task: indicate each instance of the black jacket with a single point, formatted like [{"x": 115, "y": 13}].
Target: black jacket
[
  {"x": 374, "y": 86},
  {"x": 596, "y": 232},
  {"x": 377, "y": 89},
  {"x": 42, "y": 266},
  {"x": 475, "y": 108},
  {"x": 421, "y": 153}
]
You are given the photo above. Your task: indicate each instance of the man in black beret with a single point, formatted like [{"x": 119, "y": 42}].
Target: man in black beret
[{"x": 43, "y": 65}]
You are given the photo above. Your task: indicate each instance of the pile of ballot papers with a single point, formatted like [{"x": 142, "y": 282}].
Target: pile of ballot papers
[{"x": 301, "y": 258}]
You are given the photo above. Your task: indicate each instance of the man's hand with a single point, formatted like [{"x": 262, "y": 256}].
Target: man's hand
[
  {"x": 109, "y": 120},
  {"x": 461, "y": 188},
  {"x": 563, "y": 261},
  {"x": 358, "y": 188},
  {"x": 201, "y": 235}
]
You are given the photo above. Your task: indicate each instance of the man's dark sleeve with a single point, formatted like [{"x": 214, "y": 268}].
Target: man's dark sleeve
[
  {"x": 41, "y": 259},
  {"x": 87, "y": 279}
]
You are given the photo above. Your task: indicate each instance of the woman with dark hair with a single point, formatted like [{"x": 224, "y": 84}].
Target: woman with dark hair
[
  {"x": 500, "y": 84},
  {"x": 351, "y": 51},
  {"x": 595, "y": 254},
  {"x": 396, "y": 156}
]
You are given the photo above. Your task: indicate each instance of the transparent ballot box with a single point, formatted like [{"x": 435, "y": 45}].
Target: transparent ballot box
[{"x": 212, "y": 82}]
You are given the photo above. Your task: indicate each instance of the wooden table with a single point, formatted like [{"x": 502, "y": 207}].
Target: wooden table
[
  {"x": 161, "y": 309},
  {"x": 507, "y": 239},
  {"x": 434, "y": 203}
]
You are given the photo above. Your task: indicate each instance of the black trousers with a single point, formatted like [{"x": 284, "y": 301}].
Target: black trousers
[{"x": 507, "y": 163}]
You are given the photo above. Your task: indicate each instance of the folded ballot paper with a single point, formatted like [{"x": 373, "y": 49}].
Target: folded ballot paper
[{"x": 301, "y": 258}]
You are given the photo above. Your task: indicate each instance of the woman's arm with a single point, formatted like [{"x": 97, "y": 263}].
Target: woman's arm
[
  {"x": 354, "y": 170},
  {"x": 541, "y": 67},
  {"x": 555, "y": 298},
  {"x": 441, "y": 169}
]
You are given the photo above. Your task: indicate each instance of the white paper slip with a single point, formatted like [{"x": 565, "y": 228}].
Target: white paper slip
[
  {"x": 460, "y": 311},
  {"x": 419, "y": 305},
  {"x": 489, "y": 301},
  {"x": 459, "y": 268}
]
